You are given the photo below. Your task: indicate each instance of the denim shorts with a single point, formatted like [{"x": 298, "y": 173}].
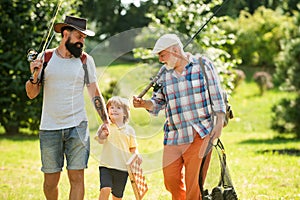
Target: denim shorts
[
  {"x": 114, "y": 179},
  {"x": 72, "y": 143}
]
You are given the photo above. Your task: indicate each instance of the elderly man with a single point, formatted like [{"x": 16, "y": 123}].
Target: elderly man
[{"x": 189, "y": 123}]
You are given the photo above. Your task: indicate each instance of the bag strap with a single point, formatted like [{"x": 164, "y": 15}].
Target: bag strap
[
  {"x": 47, "y": 56},
  {"x": 222, "y": 160},
  {"x": 223, "y": 165},
  {"x": 206, "y": 80},
  {"x": 83, "y": 59},
  {"x": 200, "y": 180}
]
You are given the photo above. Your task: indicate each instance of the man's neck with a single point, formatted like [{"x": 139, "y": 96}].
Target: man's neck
[
  {"x": 63, "y": 52},
  {"x": 181, "y": 63}
]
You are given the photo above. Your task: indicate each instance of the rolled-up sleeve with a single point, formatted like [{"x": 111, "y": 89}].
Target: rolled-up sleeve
[{"x": 158, "y": 105}]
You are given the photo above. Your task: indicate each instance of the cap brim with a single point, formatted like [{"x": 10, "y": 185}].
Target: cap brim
[
  {"x": 158, "y": 49},
  {"x": 59, "y": 26}
]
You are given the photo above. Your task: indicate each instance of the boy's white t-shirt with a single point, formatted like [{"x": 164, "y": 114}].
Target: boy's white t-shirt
[{"x": 63, "y": 100}]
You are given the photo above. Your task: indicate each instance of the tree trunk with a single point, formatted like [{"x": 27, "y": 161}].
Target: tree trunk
[{"x": 11, "y": 130}]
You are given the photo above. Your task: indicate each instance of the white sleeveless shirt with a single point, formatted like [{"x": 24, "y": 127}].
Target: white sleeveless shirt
[{"x": 63, "y": 100}]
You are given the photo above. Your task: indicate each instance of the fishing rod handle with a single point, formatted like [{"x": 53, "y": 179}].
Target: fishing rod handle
[{"x": 163, "y": 69}]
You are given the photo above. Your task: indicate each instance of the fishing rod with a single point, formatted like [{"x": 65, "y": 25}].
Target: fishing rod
[
  {"x": 163, "y": 69},
  {"x": 32, "y": 54}
]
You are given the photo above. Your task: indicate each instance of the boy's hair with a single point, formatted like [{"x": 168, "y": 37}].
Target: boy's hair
[{"x": 120, "y": 101}]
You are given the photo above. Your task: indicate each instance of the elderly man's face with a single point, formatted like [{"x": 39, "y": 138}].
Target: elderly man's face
[{"x": 169, "y": 57}]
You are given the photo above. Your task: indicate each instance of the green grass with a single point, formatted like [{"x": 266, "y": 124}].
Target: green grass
[{"x": 256, "y": 171}]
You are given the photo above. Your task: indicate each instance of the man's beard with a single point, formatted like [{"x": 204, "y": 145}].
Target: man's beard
[
  {"x": 171, "y": 63},
  {"x": 74, "y": 48}
]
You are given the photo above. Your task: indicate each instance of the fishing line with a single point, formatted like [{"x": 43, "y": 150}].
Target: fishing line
[{"x": 51, "y": 26}]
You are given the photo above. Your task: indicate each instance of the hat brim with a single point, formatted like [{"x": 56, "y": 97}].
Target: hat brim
[{"x": 59, "y": 26}]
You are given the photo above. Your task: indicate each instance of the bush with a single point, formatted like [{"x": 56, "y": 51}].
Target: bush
[
  {"x": 264, "y": 81},
  {"x": 287, "y": 116},
  {"x": 258, "y": 36}
]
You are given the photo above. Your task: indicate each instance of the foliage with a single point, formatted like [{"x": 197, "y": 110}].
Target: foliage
[
  {"x": 286, "y": 113},
  {"x": 258, "y": 36},
  {"x": 23, "y": 25},
  {"x": 286, "y": 116},
  {"x": 113, "y": 90},
  {"x": 185, "y": 18},
  {"x": 233, "y": 8},
  {"x": 288, "y": 65}
]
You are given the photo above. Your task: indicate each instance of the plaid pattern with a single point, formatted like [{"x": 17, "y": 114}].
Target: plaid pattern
[
  {"x": 137, "y": 178},
  {"x": 186, "y": 101}
]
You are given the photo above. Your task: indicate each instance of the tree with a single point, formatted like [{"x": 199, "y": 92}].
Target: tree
[
  {"x": 113, "y": 17},
  {"x": 234, "y": 8},
  {"x": 185, "y": 18},
  {"x": 23, "y": 25}
]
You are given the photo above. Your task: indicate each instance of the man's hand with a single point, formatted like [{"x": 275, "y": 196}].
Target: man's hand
[
  {"x": 138, "y": 102},
  {"x": 217, "y": 130},
  {"x": 141, "y": 103},
  {"x": 35, "y": 68}
]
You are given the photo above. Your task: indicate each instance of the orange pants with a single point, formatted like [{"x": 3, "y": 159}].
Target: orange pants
[{"x": 181, "y": 166}]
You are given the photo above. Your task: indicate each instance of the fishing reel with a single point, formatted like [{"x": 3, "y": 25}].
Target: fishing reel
[
  {"x": 32, "y": 55},
  {"x": 156, "y": 85}
]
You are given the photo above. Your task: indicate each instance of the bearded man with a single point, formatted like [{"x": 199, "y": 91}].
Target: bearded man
[{"x": 64, "y": 128}]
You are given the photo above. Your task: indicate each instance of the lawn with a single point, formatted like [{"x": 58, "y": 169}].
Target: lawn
[{"x": 259, "y": 160}]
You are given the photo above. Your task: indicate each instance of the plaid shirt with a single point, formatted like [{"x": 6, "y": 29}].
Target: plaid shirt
[{"x": 185, "y": 100}]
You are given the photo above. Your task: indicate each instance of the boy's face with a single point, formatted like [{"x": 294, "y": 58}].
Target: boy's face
[{"x": 116, "y": 113}]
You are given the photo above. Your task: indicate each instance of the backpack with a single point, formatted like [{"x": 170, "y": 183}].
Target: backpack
[
  {"x": 229, "y": 112},
  {"x": 47, "y": 56}
]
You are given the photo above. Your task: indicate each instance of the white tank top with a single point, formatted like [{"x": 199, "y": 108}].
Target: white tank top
[{"x": 63, "y": 100}]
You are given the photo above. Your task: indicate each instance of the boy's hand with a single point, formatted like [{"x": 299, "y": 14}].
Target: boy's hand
[{"x": 102, "y": 133}]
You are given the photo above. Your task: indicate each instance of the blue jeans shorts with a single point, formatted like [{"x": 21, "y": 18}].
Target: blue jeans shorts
[
  {"x": 114, "y": 179},
  {"x": 72, "y": 143}
]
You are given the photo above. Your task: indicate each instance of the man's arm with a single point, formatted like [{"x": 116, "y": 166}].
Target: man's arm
[
  {"x": 98, "y": 102},
  {"x": 32, "y": 87}
]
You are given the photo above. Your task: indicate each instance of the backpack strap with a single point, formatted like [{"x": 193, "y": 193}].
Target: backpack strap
[
  {"x": 47, "y": 56},
  {"x": 83, "y": 59}
]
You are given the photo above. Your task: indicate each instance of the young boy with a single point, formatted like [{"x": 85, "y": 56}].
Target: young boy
[{"x": 118, "y": 146}]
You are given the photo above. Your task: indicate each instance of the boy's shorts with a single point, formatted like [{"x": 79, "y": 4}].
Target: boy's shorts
[
  {"x": 73, "y": 143},
  {"x": 114, "y": 179}
]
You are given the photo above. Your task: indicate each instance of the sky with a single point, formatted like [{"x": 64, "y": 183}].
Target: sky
[{"x": 135, "y": 2}]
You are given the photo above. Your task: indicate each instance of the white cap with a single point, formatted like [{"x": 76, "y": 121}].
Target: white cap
[{"x": 165, "y": 42}]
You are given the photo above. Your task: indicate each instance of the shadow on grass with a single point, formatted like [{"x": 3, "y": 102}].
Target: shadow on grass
[
  {"x": 19, "y": 137},
  {"x": 275, "y": 140},
  {"x": 290, "y": 152}
]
